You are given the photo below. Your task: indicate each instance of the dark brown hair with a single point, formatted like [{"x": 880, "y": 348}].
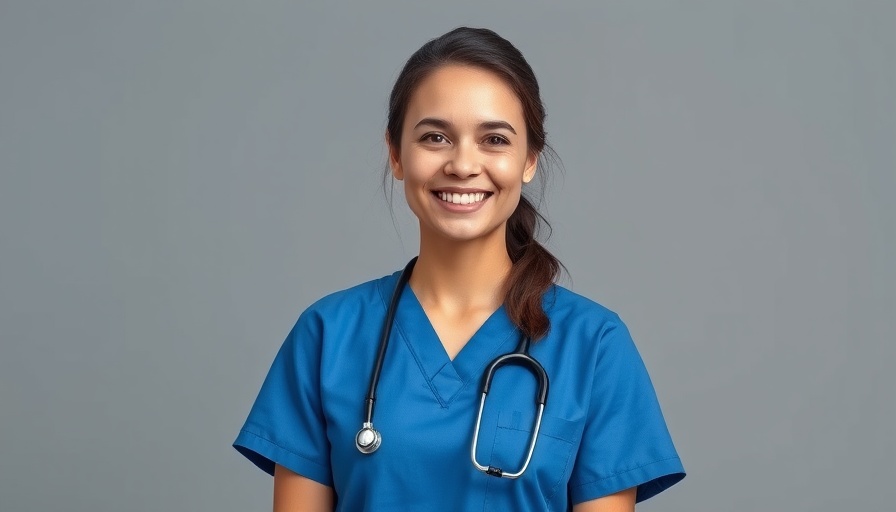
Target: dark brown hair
[{"x": 534, "y": 268}]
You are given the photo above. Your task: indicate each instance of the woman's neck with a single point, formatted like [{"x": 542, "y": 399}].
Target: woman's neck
[{"x": 461, "y": 275}]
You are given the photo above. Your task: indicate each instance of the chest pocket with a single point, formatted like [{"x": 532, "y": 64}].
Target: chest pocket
[{"x": 549, "y": 469}]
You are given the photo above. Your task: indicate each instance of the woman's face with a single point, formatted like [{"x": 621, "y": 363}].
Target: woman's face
[{"x": 464, "y": 155}]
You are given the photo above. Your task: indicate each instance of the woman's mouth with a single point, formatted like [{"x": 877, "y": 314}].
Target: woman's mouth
[{"x": 455, "y": 198}]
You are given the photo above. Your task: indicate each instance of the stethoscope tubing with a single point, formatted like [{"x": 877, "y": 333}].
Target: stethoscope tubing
[
  {"x": 368, "y": 439},
  {"x": 384, "y": 339}
]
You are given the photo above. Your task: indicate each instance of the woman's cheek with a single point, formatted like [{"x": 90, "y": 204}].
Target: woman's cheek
[{"x": 422, "y": 165}]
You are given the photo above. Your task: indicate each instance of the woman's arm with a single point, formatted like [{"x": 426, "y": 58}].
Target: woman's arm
[
  {"x": 623, "y": 501},
  {"x": 295, "y": 493}
]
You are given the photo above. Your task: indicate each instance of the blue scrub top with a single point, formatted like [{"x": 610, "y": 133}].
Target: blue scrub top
[{"x": 602, "y": 430}]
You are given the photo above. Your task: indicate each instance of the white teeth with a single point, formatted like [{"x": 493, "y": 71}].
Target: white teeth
[{"x": 461, "y": 198}]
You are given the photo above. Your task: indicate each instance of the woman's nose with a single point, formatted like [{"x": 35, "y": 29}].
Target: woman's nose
[{"x": 464, "y": 161}]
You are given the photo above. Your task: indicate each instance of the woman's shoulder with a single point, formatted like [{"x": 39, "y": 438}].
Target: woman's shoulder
[
  {"x": 373, "y": 293},
  {"x": 587, "y": 326},
  {"x": 561, "y": 301},
  {"x": 574, "y": 316}
]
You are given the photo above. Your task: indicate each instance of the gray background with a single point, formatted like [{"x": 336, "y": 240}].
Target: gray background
[{"x": 180, "y": 179}]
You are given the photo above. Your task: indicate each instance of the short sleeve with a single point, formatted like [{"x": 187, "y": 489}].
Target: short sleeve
[
  {"x": 625, "y": 442},
  {"x": 286, "y": 423}
]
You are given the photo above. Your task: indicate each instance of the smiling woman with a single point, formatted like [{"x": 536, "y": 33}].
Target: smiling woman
[
  {"x": 465, "y": 136},
  {"x": 458, "y": 143}
]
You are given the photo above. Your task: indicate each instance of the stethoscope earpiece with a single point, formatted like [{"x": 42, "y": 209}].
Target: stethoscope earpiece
[{"x": 368, "y": 439}]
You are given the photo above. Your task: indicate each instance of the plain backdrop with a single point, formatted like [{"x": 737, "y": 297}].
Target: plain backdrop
[{"x": 180, "y": 179}]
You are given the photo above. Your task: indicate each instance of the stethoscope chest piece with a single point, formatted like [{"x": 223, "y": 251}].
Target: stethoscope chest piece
[{"x": 368, "y": 439}]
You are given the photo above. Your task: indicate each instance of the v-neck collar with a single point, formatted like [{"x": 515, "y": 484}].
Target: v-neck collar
[{"x": 447, "y": 377}]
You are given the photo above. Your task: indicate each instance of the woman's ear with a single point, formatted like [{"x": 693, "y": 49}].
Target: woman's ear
[
  {"x": 394, "y": 159},
  {"x": 531, "y": 166}
]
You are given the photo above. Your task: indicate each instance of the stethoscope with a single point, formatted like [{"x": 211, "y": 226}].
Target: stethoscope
[{"x": 368, "y": 439}]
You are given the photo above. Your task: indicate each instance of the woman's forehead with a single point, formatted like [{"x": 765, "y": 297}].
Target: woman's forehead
[{"x": 465, "y": 95}]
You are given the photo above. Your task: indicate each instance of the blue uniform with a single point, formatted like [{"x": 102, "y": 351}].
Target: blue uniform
[{"x": 602, "y": 429}]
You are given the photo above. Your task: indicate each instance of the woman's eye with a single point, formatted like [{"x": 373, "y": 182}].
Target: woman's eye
[
  {"x": 496, "y": 140},
  {"x": 434, "y": 137}
]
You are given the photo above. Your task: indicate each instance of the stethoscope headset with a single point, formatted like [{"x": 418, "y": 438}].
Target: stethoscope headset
[{"x": 368, "y": 439}]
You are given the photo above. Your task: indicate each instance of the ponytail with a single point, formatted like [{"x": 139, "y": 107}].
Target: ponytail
[{"x": 534, "y": 271}]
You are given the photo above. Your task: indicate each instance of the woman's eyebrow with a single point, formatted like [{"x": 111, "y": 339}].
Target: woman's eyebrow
[
  {"x": 497, "y": 125},
  {"x": 442, "y": 124},
  {"x": 434, "y": 122}
]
